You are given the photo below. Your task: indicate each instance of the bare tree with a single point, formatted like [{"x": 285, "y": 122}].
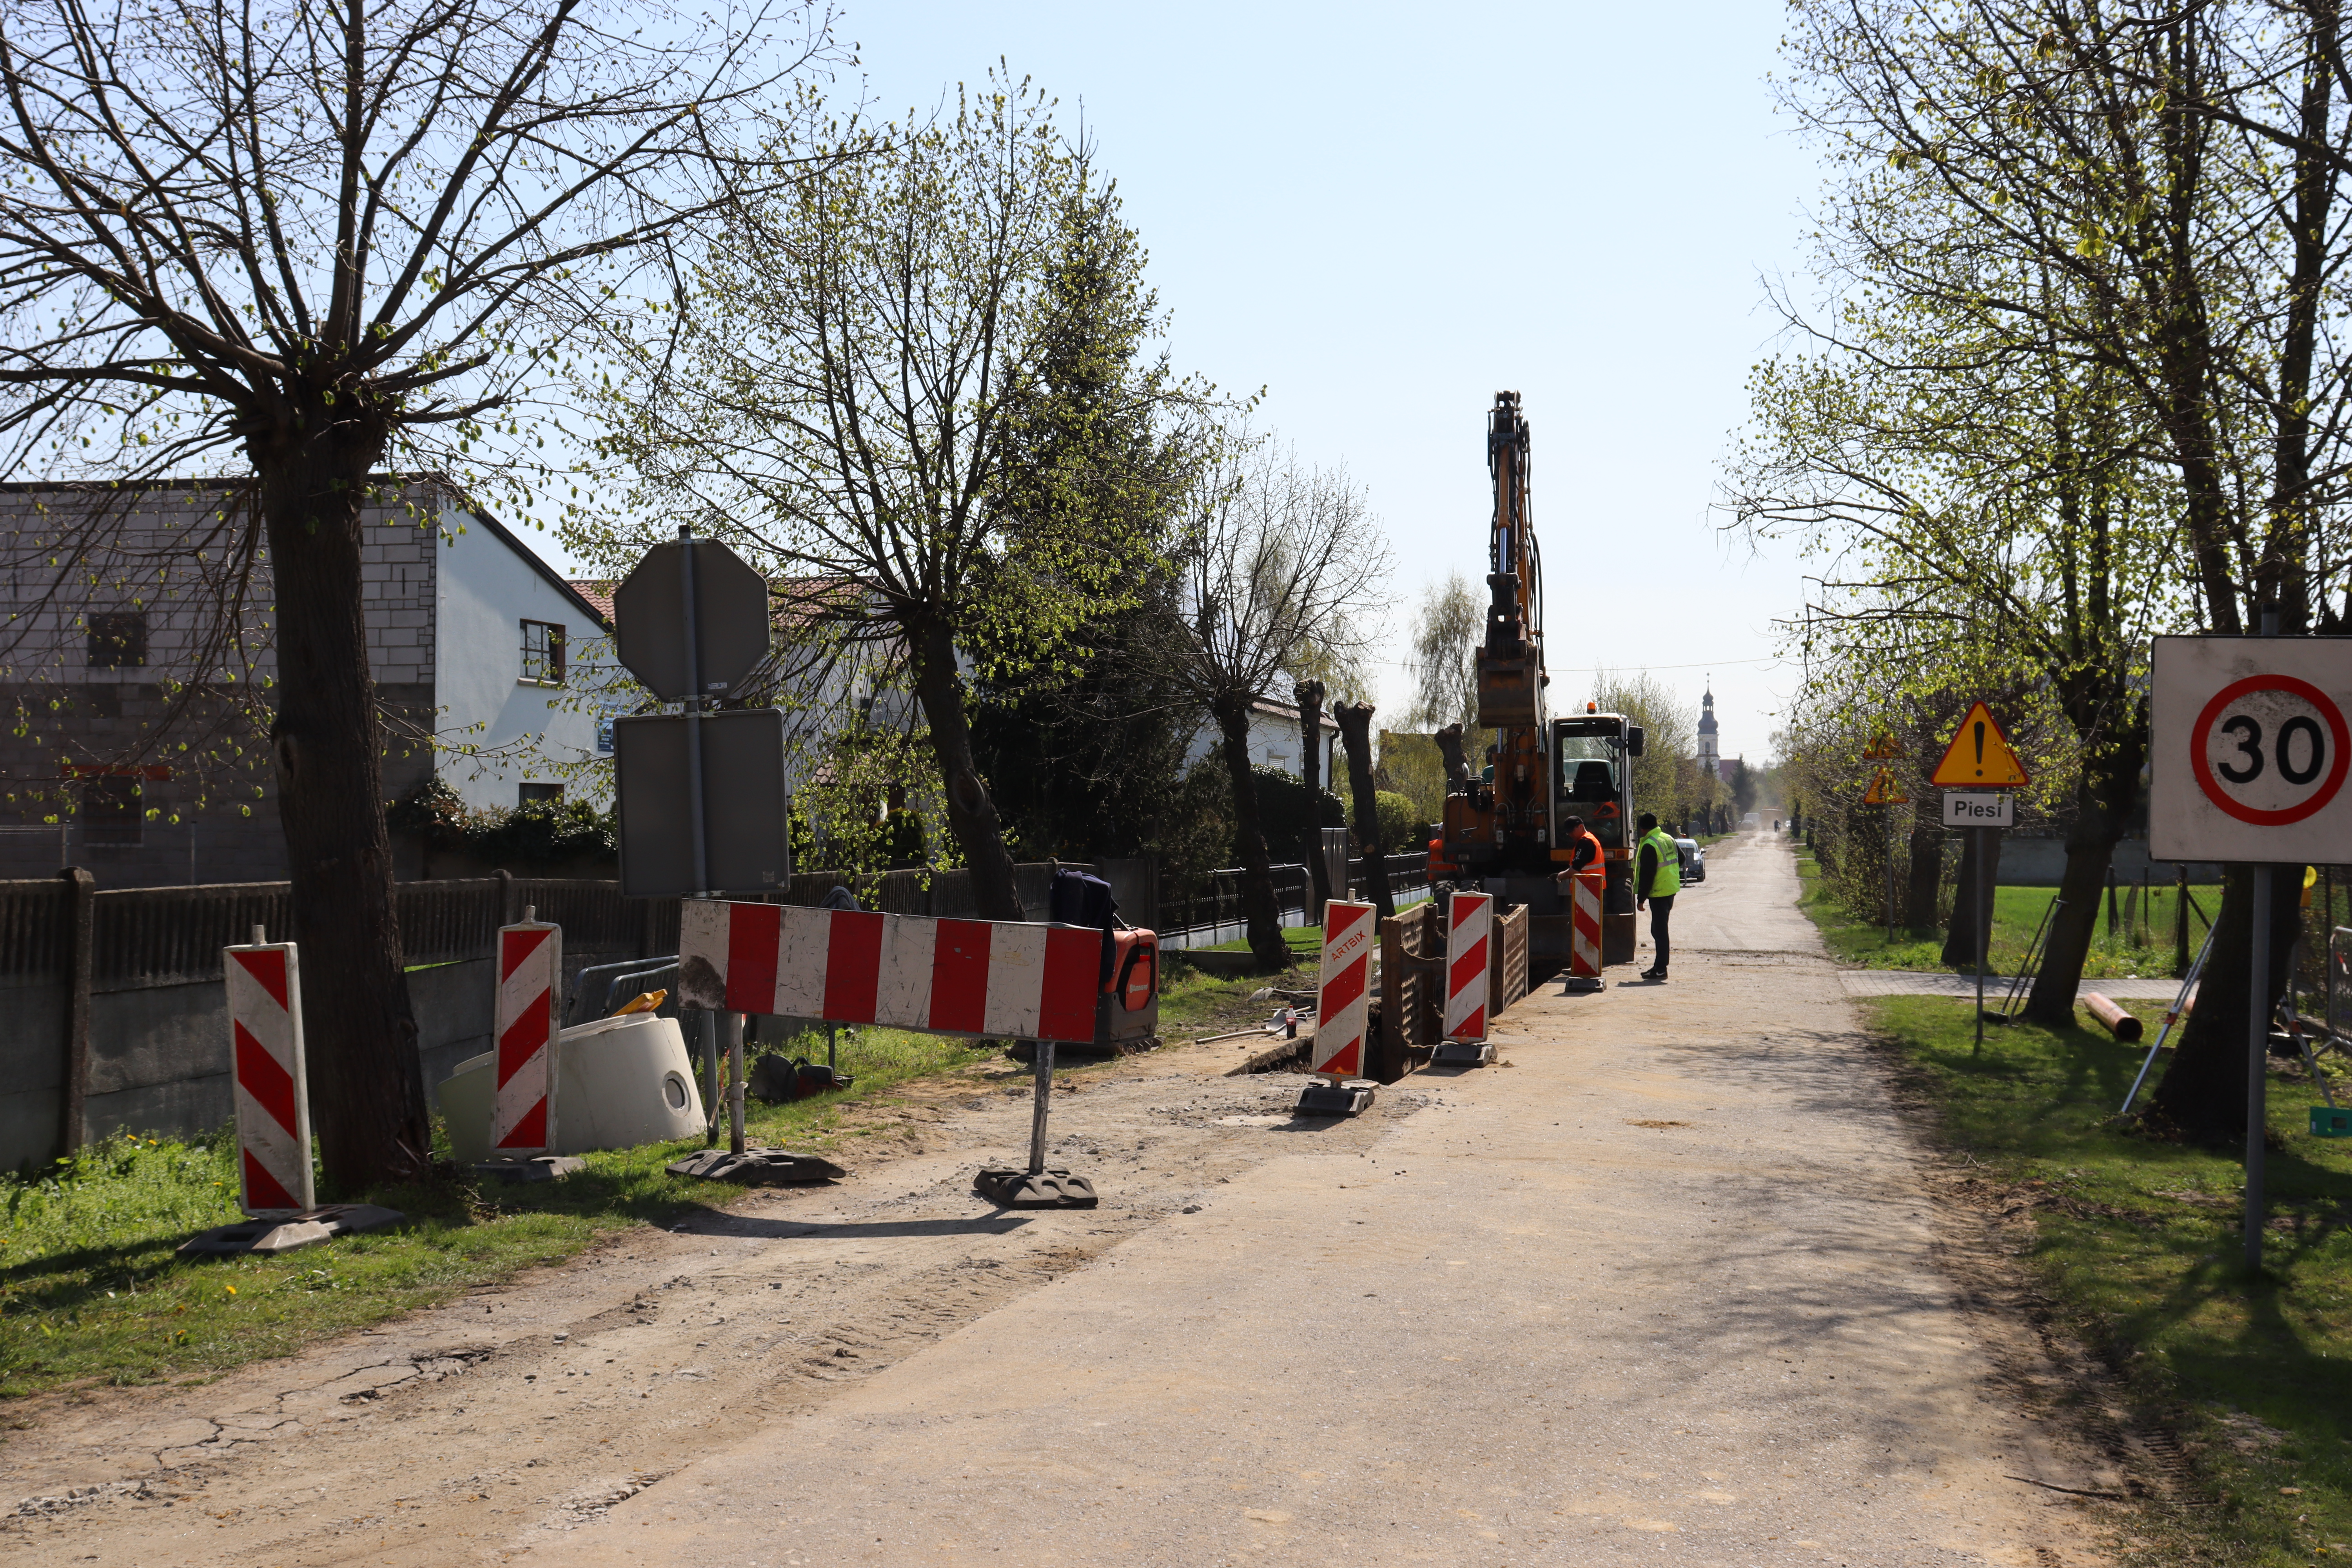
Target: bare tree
[
  {"x": 1282, "y": 563},
  {"x": 302, "y": 242}
]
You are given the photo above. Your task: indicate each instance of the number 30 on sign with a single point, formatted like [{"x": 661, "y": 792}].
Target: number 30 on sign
[{"x": 2249, "y": 750}]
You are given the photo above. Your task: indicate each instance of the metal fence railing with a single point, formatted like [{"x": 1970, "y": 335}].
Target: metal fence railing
[{"x": 1211, "y": 914}]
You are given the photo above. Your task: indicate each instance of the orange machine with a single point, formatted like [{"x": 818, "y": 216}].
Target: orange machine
[{"x": 1501, "y": 825}]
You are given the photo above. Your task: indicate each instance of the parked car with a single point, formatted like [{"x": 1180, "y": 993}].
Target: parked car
[{"x": 1694, "y": 859}]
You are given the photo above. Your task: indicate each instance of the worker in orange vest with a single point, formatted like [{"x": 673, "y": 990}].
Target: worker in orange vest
[{"x": 1583, "y": 850}]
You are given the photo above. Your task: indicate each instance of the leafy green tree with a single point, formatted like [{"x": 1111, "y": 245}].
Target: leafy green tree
[
  {"x": 887, "y": 387},
  {"x": 2080, "y": 381}
]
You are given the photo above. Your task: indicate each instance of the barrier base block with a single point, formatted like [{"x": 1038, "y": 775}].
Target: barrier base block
[
  {"x": 289, "y": 1233},
  {"x": 530, "y": 1168},
  {"x": 756, "y": 1168},
  {"x": 1334, "y": 1100},
  {"x": 1462, "y": 1053},
  {"x": 1033, "y": 1189},
  {"x": 1582, "y": 986}
]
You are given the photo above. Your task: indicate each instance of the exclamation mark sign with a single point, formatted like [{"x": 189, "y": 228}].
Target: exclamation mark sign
[{"x": 1980, "y": 727}]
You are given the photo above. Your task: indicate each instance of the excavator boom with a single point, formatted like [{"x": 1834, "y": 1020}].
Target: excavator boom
[{"x": 1504, "y": 821}]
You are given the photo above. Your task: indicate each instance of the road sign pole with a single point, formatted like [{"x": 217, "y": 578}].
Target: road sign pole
[
  {"x": 1987, "y": 838},
  {"x": 2258, "y": 1045},
  {"x": 708, "y": 1029},
  {"x": 1888, "y": 813},
  {"x": 693, "y": 713}
]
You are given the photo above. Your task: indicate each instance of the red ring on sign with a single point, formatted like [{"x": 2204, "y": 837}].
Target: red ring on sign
[{"x": 2203, "y": 729}]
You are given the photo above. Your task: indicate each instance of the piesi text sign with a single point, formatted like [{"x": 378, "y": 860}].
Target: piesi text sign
[
  {"x": 1979, "y": 808},
  {"x": 2249, "y": 750}
]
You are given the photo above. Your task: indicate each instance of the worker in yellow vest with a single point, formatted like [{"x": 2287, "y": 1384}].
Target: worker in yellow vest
[{"x": 1657, "y": 877}]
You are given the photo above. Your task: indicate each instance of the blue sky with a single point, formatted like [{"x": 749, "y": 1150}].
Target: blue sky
[{"x": 1382, "y": 215}]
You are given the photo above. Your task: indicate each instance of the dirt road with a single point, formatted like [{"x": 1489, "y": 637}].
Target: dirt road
[{"x": 1664, "y": 1290}]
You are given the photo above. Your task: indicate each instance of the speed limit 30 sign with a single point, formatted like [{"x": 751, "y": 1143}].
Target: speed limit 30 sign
[{"x": 2250, "y": 748}]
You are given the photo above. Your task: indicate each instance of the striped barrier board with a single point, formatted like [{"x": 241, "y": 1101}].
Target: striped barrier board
[
  {"x": 1343, "y": 997},
  {"x": 1584, "y": 923},
  {"x": 1004, "y": 979},
  {"x": 525, "y": 1024},
  {"x": 273, "y": 1098},
  {"x": 1469, "y": 927}
]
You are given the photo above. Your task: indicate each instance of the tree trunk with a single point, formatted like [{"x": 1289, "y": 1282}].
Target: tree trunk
[
  {"x": 1924, "y": 876},
  {"x": 972, "y": 811},
  {"x": 1356, "y": 734},
  {"x": 1310, "y": 694},
  {"x": 2203, "y": 1091},
  {"x": 2103, "y": 799},
  {"x": 1258, "y": 906},
  {"x": 366, "y": 1079},
  {"x": 1960, "y": 935}
]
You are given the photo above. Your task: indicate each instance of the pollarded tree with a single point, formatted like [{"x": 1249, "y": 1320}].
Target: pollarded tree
[{"x": 296, "y": 243}]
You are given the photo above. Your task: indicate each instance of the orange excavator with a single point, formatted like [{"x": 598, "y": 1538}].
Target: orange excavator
[{"x": 1503, "y": 826}]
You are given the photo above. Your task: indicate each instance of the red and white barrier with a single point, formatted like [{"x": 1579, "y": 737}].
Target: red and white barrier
[
  {"x": 1002, "y": 978},
  {"x": 1469, "y": 925},
  {"x": 1343, "y": 998},
  {"x": 526, "y": 1021},
  {"x": 1584, "y": 923},
  {"x": 273, "y": 1098}
]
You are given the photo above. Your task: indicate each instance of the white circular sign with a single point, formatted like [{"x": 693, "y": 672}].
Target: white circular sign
[{"x": 2270, "y": 750}]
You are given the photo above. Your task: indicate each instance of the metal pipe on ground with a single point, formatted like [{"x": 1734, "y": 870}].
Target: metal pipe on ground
[{"x": 2117, "y": 1022}]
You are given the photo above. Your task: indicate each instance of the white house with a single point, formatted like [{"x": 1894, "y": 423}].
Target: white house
[
  {"x": 511, "y": 638},
  {"x": 1273, "y": 740},
  {"x": 145, "y": 662}
]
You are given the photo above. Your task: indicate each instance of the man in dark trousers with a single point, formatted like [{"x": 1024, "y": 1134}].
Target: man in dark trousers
[{"x": 1657, "y": 877}]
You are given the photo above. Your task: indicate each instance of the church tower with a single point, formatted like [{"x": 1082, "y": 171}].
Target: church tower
[{"x": 1709, "y": 760}]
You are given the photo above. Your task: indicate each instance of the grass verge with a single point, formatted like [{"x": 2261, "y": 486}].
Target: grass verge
[
  {"x": 91, "y": 1291},
  {"x": 2016, "y": 913},
  {"x": 2138, "y": 1242}
]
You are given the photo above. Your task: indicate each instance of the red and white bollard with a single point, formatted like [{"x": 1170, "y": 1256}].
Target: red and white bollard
[
  {"x": 526, "y": 1023},
  {"x": 1584, "y": 891},
  {"x": 1343, "y": 1002},
  {"x": 273, "y": 1098},
  {"x": 1469, "y": 931}
]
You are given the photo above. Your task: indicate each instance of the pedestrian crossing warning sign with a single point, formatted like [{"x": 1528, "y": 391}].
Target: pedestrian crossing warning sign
[
  {"x": 1979, "y": 756},
  {"x": 1885, "y": 791}
]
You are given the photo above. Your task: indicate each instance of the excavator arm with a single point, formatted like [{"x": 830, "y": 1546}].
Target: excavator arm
[{"x": 1510, "y": 659}]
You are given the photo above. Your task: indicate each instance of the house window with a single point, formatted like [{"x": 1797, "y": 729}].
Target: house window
[
  {"x": 118, "y": 639},
  {"x": 543, "y": 652},
  {"x": 529, "y": 793},
  {"x": 110, "y": 810}
]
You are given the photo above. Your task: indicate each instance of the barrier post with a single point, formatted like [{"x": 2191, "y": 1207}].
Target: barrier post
[
  {"x": 1343, "y": 1011},
  {"x": 527, "y": 1022},
  {"x": 273, "y": 1097},
  {"x": 1584, "y": 895},
  {"x": 1469, "y": 934}
]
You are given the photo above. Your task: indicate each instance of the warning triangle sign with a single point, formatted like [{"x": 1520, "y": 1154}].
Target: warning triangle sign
[
  {"x": 1885, "y": 791},
  {"x": 1979, "y": 756}
]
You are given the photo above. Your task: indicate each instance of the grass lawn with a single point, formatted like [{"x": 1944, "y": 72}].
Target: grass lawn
[
  {"x": 92, "y": 1292},
  {"x": 1303, "y": 940},
  {"x": 2137, "y": 1244},
  {"x": 2016, "y": 913}
]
